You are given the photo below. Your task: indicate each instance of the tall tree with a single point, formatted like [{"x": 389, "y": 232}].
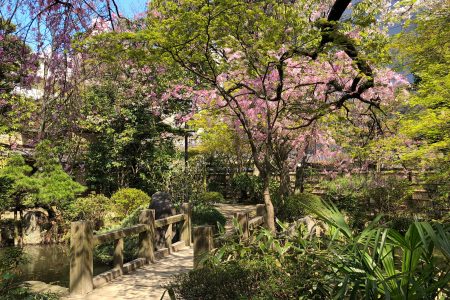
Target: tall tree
[
  {"x": 423, "y": 49},
  {"x": 278, "y": 67}
]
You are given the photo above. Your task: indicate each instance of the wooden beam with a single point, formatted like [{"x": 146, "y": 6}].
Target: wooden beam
[
  {"x": 147, "y": 238},
  {"x": 81, "y": 258},
  {"x": 169, "y": 220},
  {"x": 203, "y": 243},
  {"x": 119, "y": 233},
  {"x": 186, "y": 234},
  {"x": 118, "y": 254}
]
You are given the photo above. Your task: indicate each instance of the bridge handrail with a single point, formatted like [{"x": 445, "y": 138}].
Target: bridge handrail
[
  {"x": 116, "y": 234},
  {"x": 83, "y": 241},
  {"x": 203, "y": 235},
  {"x": 119, "y": 233}
]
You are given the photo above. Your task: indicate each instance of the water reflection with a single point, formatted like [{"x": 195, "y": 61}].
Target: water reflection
[{"x": 50, "y": 264}]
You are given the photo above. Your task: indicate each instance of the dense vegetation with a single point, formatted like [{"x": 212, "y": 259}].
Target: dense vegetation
[{"x": 315, "y": 108}]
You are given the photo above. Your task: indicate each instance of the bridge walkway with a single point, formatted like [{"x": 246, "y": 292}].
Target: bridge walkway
[{"x": 146, "y": 283}]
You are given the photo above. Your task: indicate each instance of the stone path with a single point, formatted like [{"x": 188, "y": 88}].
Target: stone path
[{"x": 144, "y": 283}]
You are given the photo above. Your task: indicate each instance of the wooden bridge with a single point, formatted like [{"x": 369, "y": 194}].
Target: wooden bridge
[{"x": 144, "y": 277}]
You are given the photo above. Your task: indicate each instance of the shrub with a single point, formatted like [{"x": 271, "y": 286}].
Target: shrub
[
  {"x": 374, "y": 193},
  {"x": 211, "y": 198},
  {"x": 228, "y": 281},
  {"x": 91, "y": 208},
  {"x": 376, "y": 263},
  {"x": 128, "y": 199},
  {"x": 293, "y": 207},
  {"x": 104, "y": 252},
  {"x": 249, "y": 187},
  {"x": 183, "y": 182},
  {"x": 207, "y": 215}
]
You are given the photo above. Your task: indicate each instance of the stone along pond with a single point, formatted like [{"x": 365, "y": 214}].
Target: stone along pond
[{"x": 50, "y": 264}]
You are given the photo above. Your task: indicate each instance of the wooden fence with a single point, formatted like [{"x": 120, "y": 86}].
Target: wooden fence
[
  {"x": 83, "y": 241},
  {"x": 204, "y": 241}
]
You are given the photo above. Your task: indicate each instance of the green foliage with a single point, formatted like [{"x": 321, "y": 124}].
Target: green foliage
[
  {"x": 249, "y": 187},
  {"x": 49, "y": 185},
  {"x": 422, "y": 49},
  {"x": 207, "y": 215},
  {"x": 10, "y": 288},
  {"x": 375, "y": 193},
  {"x": 126, "y": 200},
  {"x": 129, "y": 149},
  {"x": 230, "y": 281},
  {"x": 15, "y": 183},
  {"x": 210, "y": 198},
  {"x": 186, "y": 183},
  {"x": 376, "y": 263},
  {"x": 381, "y": 262},
  {"x": 104, "y": 252},
  {"x": 293, "y": 207},
  {"x": 55, "y": 186},
  {"x": 93, "y": 208}
]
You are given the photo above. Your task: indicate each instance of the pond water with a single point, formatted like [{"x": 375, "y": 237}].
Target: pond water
[{"x": 50, "y": 264}]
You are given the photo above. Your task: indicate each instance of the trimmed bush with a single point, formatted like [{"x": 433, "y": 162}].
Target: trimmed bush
[
  {"x": 211, "y": 198},
  {"x": 207, "y": 215},
  {"x": 126, "y": 200},
  {"x": 92, "y": 208},
  {"x": 229, "y": 281},
  {"x": 249, "y": 187}
]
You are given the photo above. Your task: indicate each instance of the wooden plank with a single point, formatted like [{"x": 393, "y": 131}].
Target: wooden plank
[
  {"x": 81, "y": 258},
  {"x": 119, "y": 233},
  {"x": 169, "y": 220}
]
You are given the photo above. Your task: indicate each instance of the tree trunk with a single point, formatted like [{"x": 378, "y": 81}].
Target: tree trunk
[
  {"x": 269, "y": 206},
  {"x": 285, "y": 183},
  {"x": 300, "y": 177}
]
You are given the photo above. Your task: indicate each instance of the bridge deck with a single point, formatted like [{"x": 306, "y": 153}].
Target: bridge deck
[{"x": 146, "y": 282}]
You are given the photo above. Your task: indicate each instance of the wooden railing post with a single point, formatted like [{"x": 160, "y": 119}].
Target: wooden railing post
[
  {"x": 242, "y": 218},
  {"x": 147, "y": 238},
  {"x": 169, "y": 237},
  {"x": 203, "y": 243},
  {"x": 186, "y": 235},
  {"x": 118, "y": 255},
  {"x": 261, "y": 212},
  {"x": 81, "y": 259}
]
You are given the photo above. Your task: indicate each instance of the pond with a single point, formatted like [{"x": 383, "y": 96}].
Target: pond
[{"x": 50, "y": 264}]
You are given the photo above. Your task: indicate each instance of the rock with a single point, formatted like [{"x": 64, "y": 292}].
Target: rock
[
  {"x": 7, "y": 236},
  {"x": 163, "y": 206},
  {"x": 42, "y": 287},
  {"x": 33, "y": 226}
]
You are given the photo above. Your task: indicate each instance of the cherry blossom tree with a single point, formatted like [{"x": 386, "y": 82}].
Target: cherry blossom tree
[
  {"x": 278, "y": 67},
  {"x": 48, "y": 29}
]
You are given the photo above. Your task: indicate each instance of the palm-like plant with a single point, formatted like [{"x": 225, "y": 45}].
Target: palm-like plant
[{"x": 382, "y": 263}]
